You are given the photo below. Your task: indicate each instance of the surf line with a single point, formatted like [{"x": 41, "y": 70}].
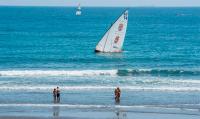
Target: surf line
[
  {"x": 134, "y": 109},
  {"x": 89, "y": 87}
]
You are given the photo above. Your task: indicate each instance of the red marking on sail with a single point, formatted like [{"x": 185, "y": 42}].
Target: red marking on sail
[
  {"x": 120, "y": 27},
  {"x": 116, "y": 39}
]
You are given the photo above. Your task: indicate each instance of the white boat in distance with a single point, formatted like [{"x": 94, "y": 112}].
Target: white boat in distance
[
  {"x": 113, "y": 39},
  {"x": 78, "y": 11}
]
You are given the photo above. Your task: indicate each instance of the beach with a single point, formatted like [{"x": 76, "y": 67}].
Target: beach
[
  {"x": 97, "y": 112},
  {"x": 42, "y": 48}
]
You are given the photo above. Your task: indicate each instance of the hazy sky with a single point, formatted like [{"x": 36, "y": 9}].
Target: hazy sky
[{"x": 101, "y": 2}]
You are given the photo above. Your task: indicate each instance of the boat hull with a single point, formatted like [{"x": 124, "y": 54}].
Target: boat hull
[{"x": 97, "y": 51}]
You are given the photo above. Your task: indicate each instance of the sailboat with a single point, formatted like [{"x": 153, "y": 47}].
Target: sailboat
[
  {"x": 78, "y": 11},
  {"x": 113, "y": 39}
]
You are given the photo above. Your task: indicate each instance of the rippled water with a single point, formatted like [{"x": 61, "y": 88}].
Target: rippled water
[{"x": 45, "y": 47}]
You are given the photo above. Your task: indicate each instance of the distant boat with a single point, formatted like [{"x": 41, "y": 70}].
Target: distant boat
[
  {"x": 113, "y": 39},
  {"x": 78, "y": 11}
]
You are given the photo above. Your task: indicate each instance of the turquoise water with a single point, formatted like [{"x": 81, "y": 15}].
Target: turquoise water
[{"x": 45, "y": 47}]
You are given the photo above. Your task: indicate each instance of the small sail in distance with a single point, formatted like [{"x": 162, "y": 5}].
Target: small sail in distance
[
  {"x": 78, "y": 11},
  {"x": 113, "y": 39}
]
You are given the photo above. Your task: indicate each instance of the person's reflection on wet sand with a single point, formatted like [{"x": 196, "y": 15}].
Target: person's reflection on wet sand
[
  {"x": 56, "y": 111},
  {"x": 117, "y": 102},
  {"x": 120, "y": 115}
]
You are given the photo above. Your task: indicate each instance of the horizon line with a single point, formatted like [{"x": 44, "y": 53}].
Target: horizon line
[{"x": 88, "y": 6}]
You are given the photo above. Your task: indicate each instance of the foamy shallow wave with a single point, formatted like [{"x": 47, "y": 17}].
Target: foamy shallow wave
[
  {"x": 83, "y": 106},
  {"x": 92, "y": 88},
  {"x": 168, "y": 81},
  {"x": 159, "y": 72},
  {"x": 180, "y": 109},
  {"x": 36, "y": 73},
  {"x": 114, "y": 72},
  {"x": 99, "y": 106}
]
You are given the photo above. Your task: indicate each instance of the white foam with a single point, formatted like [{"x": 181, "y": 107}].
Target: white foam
[
  {"x": 52, "y": 105},
  {"x": 145, "y": 70},
  {"x": 143, "y": 108},
  {"x": 36, "y": 73},
  {"x": 118, "y": 108},
  {"x": 76, "y": 106},
  {"x": 134, "y": 88},
  {"x": 186, "y": 81}
]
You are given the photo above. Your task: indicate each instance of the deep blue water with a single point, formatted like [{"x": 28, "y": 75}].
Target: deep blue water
[
  {"x": 45, "y": 47},
  {"x": 45, "y": 37}
]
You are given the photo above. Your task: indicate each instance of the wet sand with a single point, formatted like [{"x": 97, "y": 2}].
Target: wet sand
[
  {"x": 24, "y": 117},
  {"x": 57, "y": 112},
  {"x": 105, "y": 115}
]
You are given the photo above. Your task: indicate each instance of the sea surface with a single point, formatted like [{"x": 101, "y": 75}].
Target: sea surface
[{"x": 45, "y": 47}]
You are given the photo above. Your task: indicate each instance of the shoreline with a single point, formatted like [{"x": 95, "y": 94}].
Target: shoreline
[
  {"x": 107, "y": 112},
  {"x": 104, "y": 115}
]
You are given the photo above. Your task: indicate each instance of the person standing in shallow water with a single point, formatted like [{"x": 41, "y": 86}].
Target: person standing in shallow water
[
  {"x": 117, "y": 95},
  {"x": 119, "y": 92},
  {"x": 58, "y": 94},
  {"x": 54, "y": 95}
]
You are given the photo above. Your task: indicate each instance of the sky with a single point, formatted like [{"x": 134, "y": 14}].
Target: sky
[{"x": 128, "y": 3}]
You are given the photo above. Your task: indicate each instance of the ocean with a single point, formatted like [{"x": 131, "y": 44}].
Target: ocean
[{"x": 45, "y": 47}]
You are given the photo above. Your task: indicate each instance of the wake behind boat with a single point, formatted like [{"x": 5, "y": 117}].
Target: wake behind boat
[{"x": 113, "y": 39}]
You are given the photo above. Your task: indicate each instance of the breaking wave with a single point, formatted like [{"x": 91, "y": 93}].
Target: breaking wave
[
  {"x": 92, "y": 88},
  {"x": 115, "y": 72},
  {"x": 158, "y": 72},
  {"x": 160, "y": 109},
  {"x": 30, "y": 73}
]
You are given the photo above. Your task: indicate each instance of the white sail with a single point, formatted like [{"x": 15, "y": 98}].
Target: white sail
[
  {"x": 78, "y": 11},
  {"x": 79, "y": 7},
  {"x": 113, "y": 39}
]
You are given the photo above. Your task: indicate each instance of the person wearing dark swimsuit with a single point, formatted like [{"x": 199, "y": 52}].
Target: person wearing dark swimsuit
[
  {"x": 58, "y": 94},
  {"x": 54, "y": 95}
]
